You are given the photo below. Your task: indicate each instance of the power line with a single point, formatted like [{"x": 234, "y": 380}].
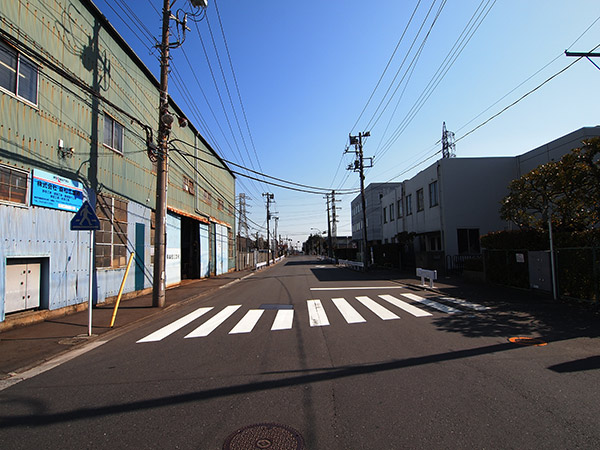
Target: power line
[
  {"x": 459, "y": 45},
  {"x": 387, "y": 65},
  {"x": 308, "y": 190},
  {"x": 237, "y": 88}
]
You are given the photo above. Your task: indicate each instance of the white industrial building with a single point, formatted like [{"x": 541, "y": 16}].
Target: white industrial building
[{"x": 453, "y": 202}]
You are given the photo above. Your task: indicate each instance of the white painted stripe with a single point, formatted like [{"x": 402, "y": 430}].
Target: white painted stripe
[
  {"x": 382, "y": 312},
  {"x": 355, "y": 288},
  {"x": 432, "y": 304},
  {"x": 173, "y": 327},
  {"x": 51, "y": 364},
  {"x": 316, "y": 314},
  {"x": 211, "y": 324},
  {"x": 466, "y": 304},
  {"x": 248, "y": 322},
  {"x": 350, "y": 314},
  {"x": 417, "y": 312},
  {"x": 283, "y": 320}
]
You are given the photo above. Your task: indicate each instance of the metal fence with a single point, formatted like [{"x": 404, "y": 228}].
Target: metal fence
[
  {"x": 250, "y": 259},
  {"x": 577, "y": 270},
  {"x": 458, "y": 263}
]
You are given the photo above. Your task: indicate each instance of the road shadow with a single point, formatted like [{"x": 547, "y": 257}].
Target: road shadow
[
  {"x": 521, "y": 316},
  {"x": 42, "y": 416},
  {"x": 578, "y": 365}
]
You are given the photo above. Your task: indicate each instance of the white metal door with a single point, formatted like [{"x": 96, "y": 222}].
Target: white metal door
[{"x": 22, "y": 287}]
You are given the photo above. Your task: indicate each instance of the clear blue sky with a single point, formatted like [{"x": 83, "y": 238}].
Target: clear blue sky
[{"x": 306, "y": 70}]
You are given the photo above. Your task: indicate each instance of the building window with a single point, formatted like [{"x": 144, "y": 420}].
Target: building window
[
  {"x": 113, "y": 134},
  {"x": 391, "y": 212},
  {"x": 400, "y": 209},
  {"x": 384, "y": 215},
  {"x": 18, "y": 74},
  {"x": 13, "y": 185},
  {"x": 409, "y": 204},
  {"x": 111, "y": 239},
  {"x": 468, "y": 241},
  {"x": 433, "y": 194},
  {"x": 188, "y": 185},
  {"x": 206, "y": 197},
  {"x": 435, "y": 243},
  {"x": 420, "y": 200}
]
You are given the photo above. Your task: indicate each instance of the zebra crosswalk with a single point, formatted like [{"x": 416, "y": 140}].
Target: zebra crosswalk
[{"x": 385, "y": 307}]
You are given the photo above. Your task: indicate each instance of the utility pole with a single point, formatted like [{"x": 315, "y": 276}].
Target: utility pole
[
  {"x": 276, "y": 242},
  {"x": 165, "y": 120},
  {"x": 359, "y": 166},
  {"x": 334, "y": 222},
  {"x": 164, "y": 127},
  {"x": 269, "y": 197},
  {"x": 330, "y": 248}
]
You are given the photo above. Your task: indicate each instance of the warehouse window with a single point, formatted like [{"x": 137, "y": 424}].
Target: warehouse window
[
  {"x": 420, "y": 200},
  {"x": 113, "y": 134},
  {"x": 111, "y": 239},
  {"x": 433, "y": 194},
  {"x": 13, "y": 185},
  {"x": 188, "y": 185},
  {"x": 18, "y": 74}
]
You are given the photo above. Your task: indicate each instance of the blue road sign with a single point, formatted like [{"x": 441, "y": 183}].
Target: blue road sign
[{"x": 85, "y": 219}]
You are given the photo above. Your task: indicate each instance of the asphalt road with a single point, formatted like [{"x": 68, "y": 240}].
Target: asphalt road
[{"x": 344, "y": 373}]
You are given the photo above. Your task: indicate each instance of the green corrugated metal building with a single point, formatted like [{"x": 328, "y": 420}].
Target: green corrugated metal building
[{"x": 77, "y": 111}]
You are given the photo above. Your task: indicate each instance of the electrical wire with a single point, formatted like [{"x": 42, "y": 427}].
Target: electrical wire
[
  {"x": 387, "y": 65},
  {"x": 459, "y": 45},
  {"x": 308, "y": 190}
]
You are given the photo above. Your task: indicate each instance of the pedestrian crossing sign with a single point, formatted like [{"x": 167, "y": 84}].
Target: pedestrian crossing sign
[{"x": 85, "y": 219}]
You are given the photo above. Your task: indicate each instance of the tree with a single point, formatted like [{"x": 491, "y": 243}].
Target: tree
[{"x": 567, "y": 191}]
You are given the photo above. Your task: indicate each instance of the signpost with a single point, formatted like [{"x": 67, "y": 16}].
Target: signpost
[{"x": 86, "y": 220}]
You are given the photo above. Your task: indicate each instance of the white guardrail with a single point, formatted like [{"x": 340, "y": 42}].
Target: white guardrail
[
  {"x": 351, "y": 264},
  {"x": 260, "y": 265},
  {"x": 424, "y": 273}
]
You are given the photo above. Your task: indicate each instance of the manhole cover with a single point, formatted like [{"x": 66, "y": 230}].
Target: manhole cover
[
  {"x": 271, "y": 436},
  {"x": 527, "y": 341}
]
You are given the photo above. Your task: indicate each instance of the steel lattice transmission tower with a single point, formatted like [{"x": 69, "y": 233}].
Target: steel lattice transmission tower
[
  {"x": 243, "y": 217},
  {"x": 448, "y": 145}
]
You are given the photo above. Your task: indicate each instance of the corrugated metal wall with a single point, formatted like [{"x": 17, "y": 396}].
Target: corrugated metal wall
[{"x": 74, "y": 45}]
